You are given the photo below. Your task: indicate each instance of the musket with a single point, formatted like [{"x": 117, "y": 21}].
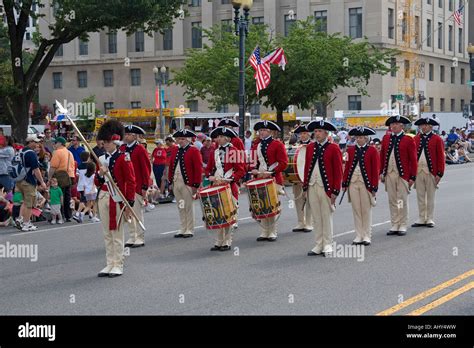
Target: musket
[{"x": 64, "y": 111}]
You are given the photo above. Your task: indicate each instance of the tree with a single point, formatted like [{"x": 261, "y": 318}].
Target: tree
[
  {"x": 212, "y": 73},
  {"x": 317, "y": 65},
  {"x": 73, "y": 19}
]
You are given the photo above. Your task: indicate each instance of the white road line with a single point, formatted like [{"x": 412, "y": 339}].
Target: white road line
[
  {"x": 49, "y": 229},
  {"x": 352, "y": 231},
  {"x": 169, "y": 232}
]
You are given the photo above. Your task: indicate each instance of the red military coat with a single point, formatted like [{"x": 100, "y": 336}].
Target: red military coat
[
  {"x": 434, "y": 151},
  {"x": 238, "y": 143},
  {"x": 122, "y": 171},
  {"x": 233, "y": 159},
  {"x": 191, "y": 165},
  {"x": 330, "y": 166},
  {"x": 141, "y": 164},
  {"x": 275, "y": 152},
  {"x": 405, "y": 157},
  {"x": 369, "y": 168}
]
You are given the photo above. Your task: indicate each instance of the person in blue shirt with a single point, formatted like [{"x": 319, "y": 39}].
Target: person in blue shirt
[
  {"x": 27, "y": 187},
  {"x": 76, "y": 149},
  {"x": 452, "y": 137}
]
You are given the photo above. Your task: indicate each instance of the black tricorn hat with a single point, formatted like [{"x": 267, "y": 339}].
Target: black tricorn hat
[
  {"x": 228, "y": 122},
  {"x": 398, "y": 118},
  {"x": 376, "y": 141},
  {"x": 184, "y": 133},
  {"x": 322, "y": 124},
  {"x": 361, "y": 131},
  {"x": 426, "y": 120},
  {"x": 134, "y": 129},
  {"x": 227, "y": 132},
  {"x": 109, "y": 129},
  {"x": 301, "y": 128},
  {"x": 266, "y": 125}
]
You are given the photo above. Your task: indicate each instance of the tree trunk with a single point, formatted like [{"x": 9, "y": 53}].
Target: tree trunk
[
  {"x": 281, "y": 124},
  {"x": 20, "y": 118}
]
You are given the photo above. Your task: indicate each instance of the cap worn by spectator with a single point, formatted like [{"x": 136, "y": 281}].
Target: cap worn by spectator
[
  {"x": 60, "y": 140},
  {"x": 32, "y": 137}
]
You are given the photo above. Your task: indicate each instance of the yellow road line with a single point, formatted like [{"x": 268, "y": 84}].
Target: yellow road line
[
  {"x": 427, "y": 293},
  {"x": 443, "y": 299}
]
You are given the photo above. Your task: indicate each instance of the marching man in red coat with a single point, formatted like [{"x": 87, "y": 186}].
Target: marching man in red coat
[
  {"x": 270, "y": 156},
  {"x": 121, "y": 169},
  {"x": 226, "y": 166},
  {"x": 361, "y": 179},
  {"x": 398, "y": 158},
  {"x": 236, "y": 141},
  {"x": 322, "y": 182},
  {"x": 185, "y": 174},
  {"x": 431, "y": 163},
  {"x": 142, "y": 167}
]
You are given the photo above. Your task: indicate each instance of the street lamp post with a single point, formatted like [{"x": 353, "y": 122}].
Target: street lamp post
[
  {"x": 470, "y": 50},
  {"x": 159, "y": 80},
  {"x": 241, "y": 29}
]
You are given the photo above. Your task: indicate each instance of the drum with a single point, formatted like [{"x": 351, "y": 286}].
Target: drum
[
  {"x": 218, "y": 206},
  {"x": 294, "y": 172},
  {"x": 263, "y": 198}
]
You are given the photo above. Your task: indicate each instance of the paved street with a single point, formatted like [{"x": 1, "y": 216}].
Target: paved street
[{"x": 176, "y": 276}]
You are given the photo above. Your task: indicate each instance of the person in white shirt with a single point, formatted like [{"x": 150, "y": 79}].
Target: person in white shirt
[
  {"x": 342, "y": 135},
  {"x": 248, "y": 141},
  {"x": 210, "y": 123}
]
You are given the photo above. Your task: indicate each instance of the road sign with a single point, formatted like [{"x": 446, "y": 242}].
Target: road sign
[{"x": 399, "y": 97}]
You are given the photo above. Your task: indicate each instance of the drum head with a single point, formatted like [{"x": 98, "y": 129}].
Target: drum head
[
  {"x": 212, "y": 189},
  {"x": 259, "y": 182},
  {"x": 300, "y": 162}
]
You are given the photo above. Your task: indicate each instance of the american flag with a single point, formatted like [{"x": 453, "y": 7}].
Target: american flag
[
  {"x": 458, "y": 14},
  {"x": 262, "y": 70}
]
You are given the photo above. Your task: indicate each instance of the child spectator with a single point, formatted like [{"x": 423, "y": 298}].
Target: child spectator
[
  {"x": 56, "y": 201},
  {"x": 80, "y": 173},
  {"x": 17, "y": 202},
  {"x": 89, "y": 192},
  {"x": 5, "y": 216}
]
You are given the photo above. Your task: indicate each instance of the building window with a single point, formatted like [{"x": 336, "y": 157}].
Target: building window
[
  {"x": 223, "y": 108},
  {"x": 428, "y": 2},
  {"x": 441, "y": 73},
  {"x": 112, "y": 41},
  {"x": 451, "y": 5},
  {"x": 431, "y": 72},
  {"x": 139, "y": 41},
  {"x": 440, "y": 3},
  {"x": 135, "y": 76},
  {"x": 460, "y": 41},
  {"x": 27, "y": 36},
  {"x": 57, "y": 80},
  {"x": 355, "y": 102},
  {"x": 226, "y": 25},
  {"x": 108, "y": 106},
  {"x": 462, "y": 77},
  {"x": 257, "y": 20},
  {"x": 441, "y": 104},
  {"x": 355, "y": 22},
  {"x": 195, "y": 3},
  {"x": 453, "y": 75},
  {"x": 429, "y": 33},
  {"x": 417, "y": 31},
  {"x": 108, "y": 78},
  {"x": 136, "y": 104},
  {"x": 83, "y": 48},
  {"x": 407, "y": 69},
  {"x": 404, "y": 27},
  {"x": 391, "y": 23},
  {"x": 321, "y": 18},
  {"x": 196, "y": 35},
  {"x": 440, "y": 35},
  {"x": 289, "y": 23},
  {"x": 431, "y": 104},
  {"x": 225, "y": 2},
  {"x": 453, "y": 105},
  {"x": 82, "y": 79},
  {"x": 60, "y": 51},
  {"x": 462, "y": 104},
  {"x": 254, "y": 109},
  {"x": 168, "y": 39},
  {"x": 193, "y": 105},
  {"x": 393, "y": 66},
  {"x": 450, "y": 38}
]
